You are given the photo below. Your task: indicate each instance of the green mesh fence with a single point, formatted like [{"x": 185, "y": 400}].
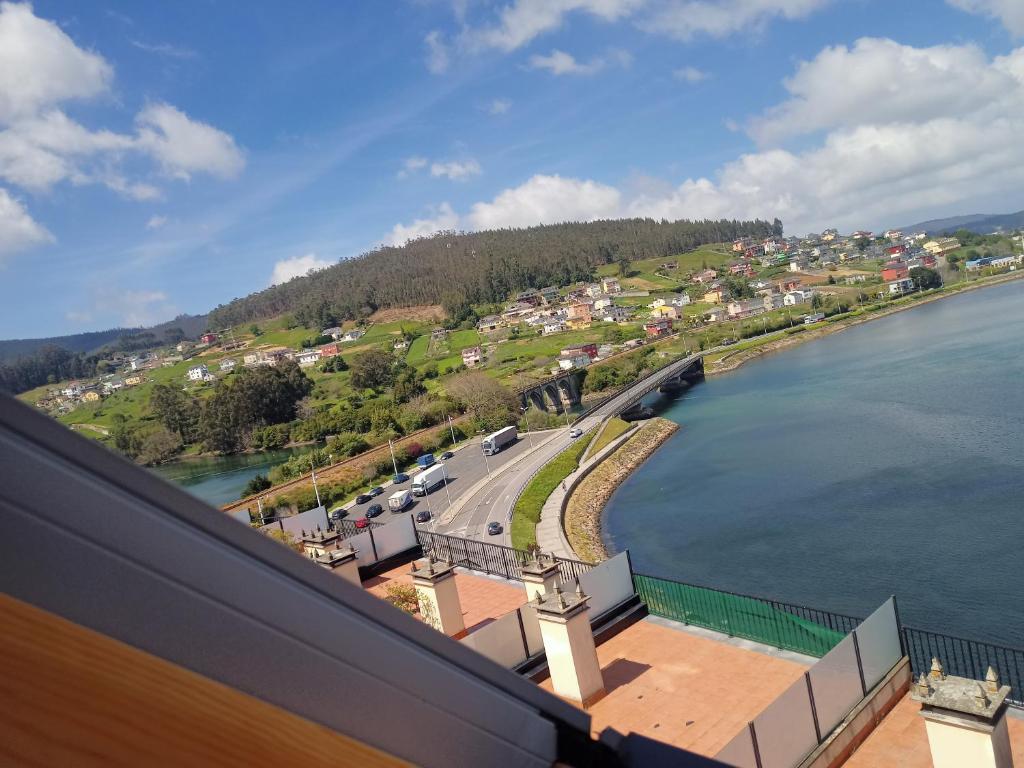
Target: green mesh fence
[{"x": 746, "y": 617}]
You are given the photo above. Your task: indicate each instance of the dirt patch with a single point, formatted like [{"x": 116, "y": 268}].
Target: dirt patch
[
  {"x": 429, "y": 313},
  {"x": 586, "y": 504}
]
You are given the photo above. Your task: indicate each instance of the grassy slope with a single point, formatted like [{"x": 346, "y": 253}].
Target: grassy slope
[
  {"x": 527, "y": 511},
  {"x": 612, "y": 430}
]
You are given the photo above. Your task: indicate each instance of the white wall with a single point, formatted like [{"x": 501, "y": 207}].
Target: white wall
[{"x": 608, "y": 584}]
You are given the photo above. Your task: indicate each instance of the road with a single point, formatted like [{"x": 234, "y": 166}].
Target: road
[
  {"x": 494, "y": 502},
  {"x": 465, "y": 468}
]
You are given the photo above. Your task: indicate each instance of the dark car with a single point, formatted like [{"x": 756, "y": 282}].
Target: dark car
[
  {"x": 362, "y": 522},
  {"x": 423, "y": 516},
  {"x": 374, "y": 509},
  {"x": 493, "y": 529},
  {"x": 401, "y": 477},
  {"x": 362, "y": 498},
  {"x": 376, "y": 491},
  {"x": 446, "y": 455},
  {"x": 339, "y": 513}
]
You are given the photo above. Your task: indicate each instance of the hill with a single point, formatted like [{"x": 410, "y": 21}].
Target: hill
[
  {"x": 982, "y": 223},
  {"x": 461, "y": 269},
  {"x": 12, "y": 349}
]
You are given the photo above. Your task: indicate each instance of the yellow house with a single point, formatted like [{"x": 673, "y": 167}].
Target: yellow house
[
  {"x": 133, "y": 380},
  {"x": 578, "y": 323},
  {"x": 90, "y": 396},
  {"x": 715, "y": 296},
  {"x": 666, "y": 311}
]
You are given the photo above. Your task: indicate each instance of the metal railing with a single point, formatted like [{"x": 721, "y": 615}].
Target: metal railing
[
  {"x": 493, "y": 559},
  {"x": 966, "y": 658},
  {"x": 793, "y": 627}
]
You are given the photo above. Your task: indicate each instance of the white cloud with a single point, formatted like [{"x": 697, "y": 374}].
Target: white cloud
[
  {"x": 297, "y": 266},
  {"x": 41, "y": 66},
  {"x": 562, "y": 63},
  {"x": 125, "y": 308},
  {"x": 411, "y": 165},
  {"x": 1009, "y": 12},
  {"x": 18, "y": 230},
  {"x": 881, "y": 81},
  {"x": 456, "y": 170},
  {"x": 184, "y": 146},
  {"x": 546, "y": 200},
  {"x": 686, "y": 19},
  {"x": 437, "y": 53},
  {"x": 690, "y": 74},
  {"x": 156, "y": 222},
  {"x": 499, "y": 107},
  {"x": 523, "y": 20},
  {"x": 444, "y": 218}
]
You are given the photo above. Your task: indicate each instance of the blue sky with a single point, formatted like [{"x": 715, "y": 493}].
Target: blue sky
[{"x": 164, "y": 158}]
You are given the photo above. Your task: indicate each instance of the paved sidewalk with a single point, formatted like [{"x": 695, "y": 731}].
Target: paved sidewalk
[{"x": 550, "y": 533}]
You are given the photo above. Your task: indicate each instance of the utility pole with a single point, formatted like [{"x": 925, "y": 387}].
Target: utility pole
[
  {"x": 315, "y": 489},
  {"x": 452, "y": 428},
  {"x": 393, "y": 462}
]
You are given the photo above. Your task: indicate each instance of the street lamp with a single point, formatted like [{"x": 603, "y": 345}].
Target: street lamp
[
  {"x": 452, "y": 428},
  {"x": 393, "y": 462}
]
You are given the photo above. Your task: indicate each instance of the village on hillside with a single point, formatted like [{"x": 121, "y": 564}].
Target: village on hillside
[{"x": 551, "y": 329}]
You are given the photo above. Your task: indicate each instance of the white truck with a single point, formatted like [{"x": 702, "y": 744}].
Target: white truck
[
  {"x": 399, "y": 500},
  {"x": 495, "y": 441},
  {"x": 428, "y": 480}
]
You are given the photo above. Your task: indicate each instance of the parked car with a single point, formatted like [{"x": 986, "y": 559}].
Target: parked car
[
  {"x": 575, "y": 432},
  {"x": 401, "y": 477},
  {"x": 728, "y": 342},
  {"x": 362, "y": 522},
  {"x": 423, "y": 516},
  {"x": 374, "y": 509},
  {"x": 446, "y": 455},
  {"x": 376, "y": 491},
  {"x": 339, "y": 513},
  {"x": 494, "y": 528},
  {"x": 362, "y": 498}
]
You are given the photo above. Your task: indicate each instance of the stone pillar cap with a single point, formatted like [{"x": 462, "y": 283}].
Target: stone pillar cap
[
  {"x": 960, "y": 694},
  {"x": 429, "y": 569},
  {"x": 559, "y": 603}
]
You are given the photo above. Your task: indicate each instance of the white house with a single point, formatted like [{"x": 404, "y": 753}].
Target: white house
[
  {"x": 601, "y": 303},
  {"x": 198, "y": 373},
  {"x": 594, "y": 290},
  {"x": 574, "y": 360},
  {"x": 472, "y": 356},
  {"x": 354, "y": 335},
  {"x": 899, "y": 287},
  {"x": 553, "y": 326},
  {"x": 334, "y": 333},
  {"x": 610, "y": 285},
  {"x": 228, "y": 363},
  {"x": 681, "y": 300},
  {"x": 656, "y": 303},
  {"x": 308, "y": 357},
  {"x": 615, "y": 314},
  {"x": 796, "y": 297}
]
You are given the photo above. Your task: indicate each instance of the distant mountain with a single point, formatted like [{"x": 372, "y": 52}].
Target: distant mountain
[
  {"x": 12, "y": 349},
  {"x": 982, "y": 223}
]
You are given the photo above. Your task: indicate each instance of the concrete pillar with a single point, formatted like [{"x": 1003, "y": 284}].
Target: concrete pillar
[
  {"x": 965, "y": 719},
  {"x": 343, "y": 562},
  {"x": 540, "y": 576},
  {"x": 438, "y": 596},
  {"x": 569, "y": 646},
  {"x": 316, "y": 542}
]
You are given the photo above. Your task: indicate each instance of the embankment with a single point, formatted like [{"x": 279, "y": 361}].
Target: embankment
[
  {"x": 732, "y": 361},
  {"x": 583, "y": 512}
]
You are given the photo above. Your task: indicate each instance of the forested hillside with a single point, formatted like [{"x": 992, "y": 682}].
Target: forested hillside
[{"x": 459, "y": 269}]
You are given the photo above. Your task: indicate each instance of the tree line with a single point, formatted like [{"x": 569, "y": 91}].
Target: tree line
[{"x": 456, "y": 269}]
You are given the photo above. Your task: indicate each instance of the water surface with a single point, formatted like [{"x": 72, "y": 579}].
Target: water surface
[
  {"x": 221, "y": 479},
  {"x": 886, "y": 459}
]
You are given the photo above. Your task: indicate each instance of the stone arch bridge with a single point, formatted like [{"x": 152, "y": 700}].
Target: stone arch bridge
[{"x": 555, "y": 394}]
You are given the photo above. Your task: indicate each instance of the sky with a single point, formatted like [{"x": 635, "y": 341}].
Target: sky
[{"x": 161, "y": 158}]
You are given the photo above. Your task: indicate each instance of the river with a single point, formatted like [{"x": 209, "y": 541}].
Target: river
[
  {"x": 221, "y": 479},
  {"x": 886, "y": 459}
]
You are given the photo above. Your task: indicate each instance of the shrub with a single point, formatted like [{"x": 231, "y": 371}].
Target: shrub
[{"x": 402, "y": 596}]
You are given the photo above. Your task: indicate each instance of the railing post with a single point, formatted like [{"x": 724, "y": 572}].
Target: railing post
[
  {"x": 522, "y": 633},
  {"x": 373, "y": 545},
  {"x": 753, "y": 742},
  {"x": 814, "y": 707},
  {"x": 860, "y": 664},
  {"x": 899, "y": 626}
]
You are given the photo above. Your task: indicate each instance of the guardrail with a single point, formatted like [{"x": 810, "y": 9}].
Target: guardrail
[
  {"x": 493, "y": 559},
  {"x": 793, "y": 627},
  {"x": 966, "y": 658}
]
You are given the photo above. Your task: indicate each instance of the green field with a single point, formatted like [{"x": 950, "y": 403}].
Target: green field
[
  {"x": 612, "y": 429},
  {"x": 526, "y": 514},
  {"x": 418, "y": 351}
]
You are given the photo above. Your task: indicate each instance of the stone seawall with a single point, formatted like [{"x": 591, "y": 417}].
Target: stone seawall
[{"x": 583, "y": 512}]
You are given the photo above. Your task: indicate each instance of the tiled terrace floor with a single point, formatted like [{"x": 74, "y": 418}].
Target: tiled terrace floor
[
  {"x": 683, "y": 689},
  {"x": 900, "y": 741},
  {"x": 483, "y": 599}
]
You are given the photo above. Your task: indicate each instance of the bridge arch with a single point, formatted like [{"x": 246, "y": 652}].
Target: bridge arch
[{"x": 551, "y": 392}]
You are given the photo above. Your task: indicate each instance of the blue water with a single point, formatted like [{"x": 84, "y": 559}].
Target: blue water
[
  {"x": 221, "y": 479},
  {"x": 886, "y": 459}
]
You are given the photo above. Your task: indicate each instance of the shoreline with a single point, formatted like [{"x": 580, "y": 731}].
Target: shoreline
[
  {"x": 582, "y": 522},
  {"x": 730, "y": 362}
]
